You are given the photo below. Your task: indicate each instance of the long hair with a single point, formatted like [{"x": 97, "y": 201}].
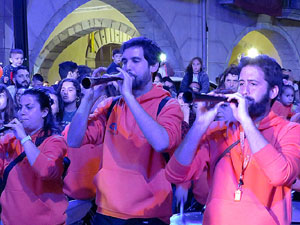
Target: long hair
[
  {"x": 189, "y": 68},
  {"x": 45, "y": 101},
  {"x": 9, "y": 111},
  {"x": 59, "y": 115},
  {"x": 76, "y": 85}
]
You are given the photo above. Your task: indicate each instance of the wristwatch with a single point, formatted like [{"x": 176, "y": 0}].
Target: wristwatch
[{"x": 27, "y": 138}]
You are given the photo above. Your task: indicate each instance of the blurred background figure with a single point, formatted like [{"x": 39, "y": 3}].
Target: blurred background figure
[
  {"x": 229, "y": 79},
  {"x": 37, "y": 80},
  {"x": 68, "y": 69},
  {"x": 116, "y": 57},
  {"x": 195, "y": 73},
  {"x": 7, "y": 111}
]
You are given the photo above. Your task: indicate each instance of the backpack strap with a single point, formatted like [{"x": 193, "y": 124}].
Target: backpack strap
[
  {"x": 162, "y": 104},
  {"x": 9, "y": 168},
  {"x": 66, "y": 163},
  {"x": 160, "y": 107},
  {"x": 225, "y": 152},
  {"x": 114, "y": 101}
]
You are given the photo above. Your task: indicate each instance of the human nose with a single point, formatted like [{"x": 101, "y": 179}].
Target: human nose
[
  {"x": 244, "y": 90},
  {"x": 128, "y": 66},
  {"x": 22, "y": 111}
]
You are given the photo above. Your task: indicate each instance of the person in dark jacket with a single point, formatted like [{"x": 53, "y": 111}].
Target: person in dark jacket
[{"x": 194, "y": 73}]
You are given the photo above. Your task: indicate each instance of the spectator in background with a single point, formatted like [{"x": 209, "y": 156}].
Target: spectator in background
[
  {"x": 195, "y": 87},
  {"x": 169, "y": 85},
  {"x": 70, "y": 92},
  {"x": 16, "y": 59},
  {"x": 117, "y": 56},
  {"x": 21, "y": 78},
  {"x": 46, "y": 84},
  {"x": 7, "y": 112},
  {"x": 158, "y": 79},
  {"x": 68, "y": 69},
  {"x": 286, "y": 75},
  {"x": 283, "y": 105},
  {"x": 165, "y": 69},
  {"x": 84, "y": 70},
  {"x": 37, "y": 80},
  {"x": 5, "y": 79},
  {"x": 56, "y": 106},
  {"x": 195, "y": 73},
  {"x": 229, "y": 79},
  {"x": 17, "y": 97}
]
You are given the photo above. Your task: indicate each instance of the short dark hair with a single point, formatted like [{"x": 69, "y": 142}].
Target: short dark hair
[
  {"x": 38, "y": 77},
  {"x": 151, "y": 49},
  {"x": 189, "y": 68},
  {"x": 22, "y": 67},
  {"x": 272, "y": 70},
  {"x": 116, "y": 51},
  {"x": 16, "y": 51},
  {"x": 232, "y": 69},
  {"x": 84, "y": 70},
  {"x": 65, "y": 67}
]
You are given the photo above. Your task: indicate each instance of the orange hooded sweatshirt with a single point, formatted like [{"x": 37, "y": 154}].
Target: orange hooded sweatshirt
[
  {"x": 282, "y": 110},
  {"x": 266, "y": 197},
  {"x": 33, "y": 194},
  {"x": 132, "y": 182}
]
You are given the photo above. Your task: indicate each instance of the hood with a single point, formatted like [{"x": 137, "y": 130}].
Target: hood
[{"x": 272, "y": 119}]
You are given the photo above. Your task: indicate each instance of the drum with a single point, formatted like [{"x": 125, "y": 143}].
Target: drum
[
  {"x": 295, "y": 211},
  {"x": 192, "y": 218}
]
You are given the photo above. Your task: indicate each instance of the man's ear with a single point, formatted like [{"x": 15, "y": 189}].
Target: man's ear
[
  {"x": 14, "y": 80},
  {"x": 154, "y": 67},
  {"x": 10, "y": 60},
  {"x": 273, "y": 93}
]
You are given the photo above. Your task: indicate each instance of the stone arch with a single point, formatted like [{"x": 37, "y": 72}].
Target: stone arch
[
  {"x": 141, "y": 14},
  {"x": 100, "y": 37},
  {"x": 283, "y": 43},
  {"x": 51, "y": 51}
]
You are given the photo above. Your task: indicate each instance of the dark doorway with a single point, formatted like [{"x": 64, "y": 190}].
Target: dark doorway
[{"x": 104, "y": 54}]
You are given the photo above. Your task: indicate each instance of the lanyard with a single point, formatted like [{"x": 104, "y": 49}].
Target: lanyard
[{"x": 245, "y": 163}]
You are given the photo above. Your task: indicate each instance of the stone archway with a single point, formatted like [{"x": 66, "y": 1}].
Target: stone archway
[
  {"x": 141, "y": 14},
  {"x": 51, "y": 51},
  {"x": 284, "y": 45}
]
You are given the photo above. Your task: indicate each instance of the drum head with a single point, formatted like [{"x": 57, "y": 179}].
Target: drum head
[
  {"x": 192, "y": 218},
  {"x": 295, "y": 211}
]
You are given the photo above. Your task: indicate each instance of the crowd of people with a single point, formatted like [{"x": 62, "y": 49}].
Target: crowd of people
[{"x": 136, "y": 148}]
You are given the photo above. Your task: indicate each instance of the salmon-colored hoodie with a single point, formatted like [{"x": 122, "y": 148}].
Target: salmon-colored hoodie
[
  {"x": 266, "y": 197},
  {"x": 33, "y": 194},
  {"x": 282, "y": 110},
  {"x": 132, "y": 182}
]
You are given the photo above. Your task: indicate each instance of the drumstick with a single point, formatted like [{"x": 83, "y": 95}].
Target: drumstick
[{"x": 181, "y": 211}]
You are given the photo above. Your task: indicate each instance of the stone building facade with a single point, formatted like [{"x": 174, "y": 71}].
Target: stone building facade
[{"x": 176, "y": 25}]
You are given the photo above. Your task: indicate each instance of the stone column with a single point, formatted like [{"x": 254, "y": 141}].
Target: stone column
[{"x": 6, "y": 30}]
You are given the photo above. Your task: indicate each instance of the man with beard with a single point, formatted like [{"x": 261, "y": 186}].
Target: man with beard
[
  {"x": 131, "y": 185},
  {"x": 21, "y": 79},
  {"x": 251, "y": 166}
]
